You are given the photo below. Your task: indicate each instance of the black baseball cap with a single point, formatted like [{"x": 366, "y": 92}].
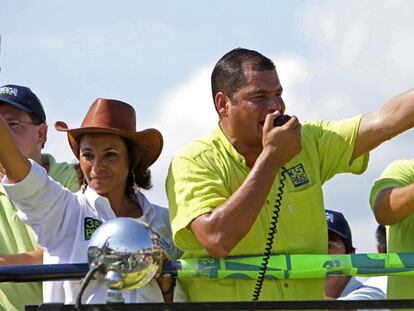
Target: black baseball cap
[
  {"x": 22, "y": 98},
  {"x": 338, "y": 225}
]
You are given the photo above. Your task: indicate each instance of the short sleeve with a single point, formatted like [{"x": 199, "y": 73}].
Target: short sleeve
[
  {"x": 194, "y": 187},
  {"x": 397, "y": 174},
  {"x": 335, "y": 143}
]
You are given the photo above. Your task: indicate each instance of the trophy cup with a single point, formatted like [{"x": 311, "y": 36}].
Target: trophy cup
[{"x": 128, "y": 254}]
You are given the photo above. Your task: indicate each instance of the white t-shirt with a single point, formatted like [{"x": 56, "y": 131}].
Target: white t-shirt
[
  {"x": 64, "y": 221},
  {"x": 374, "y": 288}
]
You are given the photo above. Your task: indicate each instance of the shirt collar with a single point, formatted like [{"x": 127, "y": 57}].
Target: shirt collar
[
  {"x": 219, "y": 135},
  {"x": 102, "y": 206},
  {"x": 148, "y": 211},
  {"x": 99, "y": 203}
]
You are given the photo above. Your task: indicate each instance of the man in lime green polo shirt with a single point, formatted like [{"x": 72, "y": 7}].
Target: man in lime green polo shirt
[
  {"x": 392, "y": 201},
  {"x": 26, "y": 118},
  {"x": 223, "y": 188}
]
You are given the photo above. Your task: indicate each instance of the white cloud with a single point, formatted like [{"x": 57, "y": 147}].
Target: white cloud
[
  {"x": 184, "y": 114},
  {"x": 363, "y": 232},
  {"x": 366, "y": 42},
  {"x": 293, "y": 74},
  {"x": 187, "y": 111}
]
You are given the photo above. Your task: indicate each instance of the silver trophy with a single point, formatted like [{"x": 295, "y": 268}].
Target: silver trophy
[{"x": 128, "y": 252}]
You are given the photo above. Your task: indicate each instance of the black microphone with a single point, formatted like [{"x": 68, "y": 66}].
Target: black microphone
[{"x": 280, "y": 120}]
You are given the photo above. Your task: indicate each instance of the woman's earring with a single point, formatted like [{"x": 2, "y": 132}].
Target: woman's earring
[
  {"x": 133, "y": 179},
  {"x": 83, "y": 186}
]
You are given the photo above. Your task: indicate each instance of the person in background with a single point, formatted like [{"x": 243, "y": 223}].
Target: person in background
[
  {"x": 381, "y": 237},
  {"x": 392, "y": 201},
  {"x": 24, "y": 114},
  {"x": 222, "y": 189},
  {"x": 345, "y": 287},
  {"x": 114, "y": 160}
]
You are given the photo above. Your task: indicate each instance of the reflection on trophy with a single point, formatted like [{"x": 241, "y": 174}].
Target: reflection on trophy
[{"x": 127, "y": 254}]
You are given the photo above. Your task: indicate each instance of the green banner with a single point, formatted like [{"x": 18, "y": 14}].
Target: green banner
[{"x": 299, "y": 266}]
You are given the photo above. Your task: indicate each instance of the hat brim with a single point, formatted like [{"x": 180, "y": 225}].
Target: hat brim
[
  {"x": 15, "y": 104},
  {"x": 338, "y": 233},
  {"x": 150, "y": 140}
]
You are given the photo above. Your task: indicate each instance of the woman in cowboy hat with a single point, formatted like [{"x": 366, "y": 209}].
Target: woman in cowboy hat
[{"x": 113, "y": 165}]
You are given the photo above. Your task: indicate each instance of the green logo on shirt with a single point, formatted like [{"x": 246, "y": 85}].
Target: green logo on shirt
[
  {"x": 90, "y": 225},
  {"x": 297, "y": 175}
]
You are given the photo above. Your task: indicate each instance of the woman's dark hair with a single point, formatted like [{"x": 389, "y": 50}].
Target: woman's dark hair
[{"x": 139, "y": 174}]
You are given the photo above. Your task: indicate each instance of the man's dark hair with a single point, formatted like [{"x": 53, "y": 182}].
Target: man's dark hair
[
  {"x": 139, "y": 174},
  {"x": 228, "y": 74},
  {"x": 381, "y": 239}
]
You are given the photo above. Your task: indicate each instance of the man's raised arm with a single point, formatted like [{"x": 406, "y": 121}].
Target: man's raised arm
[
  {"x": 15, "y": 165},
  {"x": 393, "y": 118}
]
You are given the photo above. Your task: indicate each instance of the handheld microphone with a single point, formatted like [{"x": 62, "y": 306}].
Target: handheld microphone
[{"x": 280, "y": 120}]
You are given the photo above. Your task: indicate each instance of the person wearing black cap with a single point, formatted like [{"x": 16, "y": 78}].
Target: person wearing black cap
[
  {"x": 24, "y": 113},
  {"x": 347, "y": 287}
]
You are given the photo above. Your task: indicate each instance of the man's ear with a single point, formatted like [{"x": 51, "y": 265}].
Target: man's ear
[
  {"x": 42, "y": 134},
  {"x": 222, "y": 103}
]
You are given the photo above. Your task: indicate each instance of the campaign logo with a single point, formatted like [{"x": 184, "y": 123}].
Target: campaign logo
[
  {"x": 90, "y": 225},
  {"x": 329, "y": 217},
  {"x": 12, "y": 91},
  {"x": 297, "y": 175}
]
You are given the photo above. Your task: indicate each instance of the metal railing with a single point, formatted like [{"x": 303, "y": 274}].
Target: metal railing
[
  {"x": 280, "y": 267},
  {"x": 246, "y": 305}
]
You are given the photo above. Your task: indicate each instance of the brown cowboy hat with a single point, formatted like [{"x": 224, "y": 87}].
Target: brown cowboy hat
[{"x": 115, "y": 117}]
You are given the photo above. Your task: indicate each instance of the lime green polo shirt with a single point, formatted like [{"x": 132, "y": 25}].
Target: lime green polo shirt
[
  {"x": 204, "y": 175},
  {"x": 17, "y": 237},
  {"x": 398, "y": 174}
]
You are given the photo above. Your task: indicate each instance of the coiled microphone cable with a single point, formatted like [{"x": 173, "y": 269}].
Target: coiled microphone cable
[{"x": 270, "y": 237}]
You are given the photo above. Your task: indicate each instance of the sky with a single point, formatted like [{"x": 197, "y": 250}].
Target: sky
[{"x": 335, "y": 59}]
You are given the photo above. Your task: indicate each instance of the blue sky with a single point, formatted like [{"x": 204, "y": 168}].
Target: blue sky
[{"x": 335, "y": 59}]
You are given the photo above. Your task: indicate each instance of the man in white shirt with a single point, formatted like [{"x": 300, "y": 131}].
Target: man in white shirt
[{"x": 25, "y": 116}]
